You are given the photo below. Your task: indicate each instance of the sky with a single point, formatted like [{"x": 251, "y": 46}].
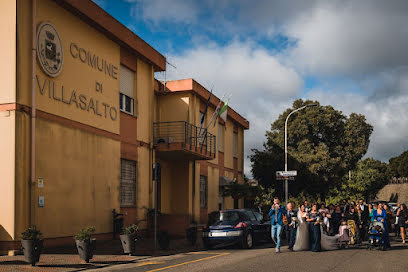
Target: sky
[{"x": 351, "y": 54}]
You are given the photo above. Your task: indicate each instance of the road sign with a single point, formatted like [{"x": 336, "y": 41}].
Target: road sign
[
  {"x": 284, "y": 174},
  {"x": 285, "y": 178}
]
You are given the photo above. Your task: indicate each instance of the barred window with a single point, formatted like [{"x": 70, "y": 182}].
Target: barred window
[
  {"x": 127, "y": 183},
  {"x": 203, "y": 191}
]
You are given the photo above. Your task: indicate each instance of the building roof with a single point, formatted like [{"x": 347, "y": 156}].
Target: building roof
[
  {"x": 190, "y": 85},
  {"x": 95, "y": 16}
]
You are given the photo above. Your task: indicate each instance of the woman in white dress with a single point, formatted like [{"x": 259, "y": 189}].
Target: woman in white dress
[
  {"x": 302, "y": 236},
  {"x": 328, "y": 242}
]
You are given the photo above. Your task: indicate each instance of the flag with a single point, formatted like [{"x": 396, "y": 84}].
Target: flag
[
  {"x": 205, "y": 110},
  {"x": 223, "y": 111},
  {"x": 215, "y": 115}
]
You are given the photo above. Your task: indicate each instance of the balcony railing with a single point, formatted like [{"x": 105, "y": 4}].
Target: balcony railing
[{"x": 190, "y": 137}]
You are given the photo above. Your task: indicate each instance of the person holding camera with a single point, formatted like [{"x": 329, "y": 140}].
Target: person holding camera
[{"x": 276, "y": 213}]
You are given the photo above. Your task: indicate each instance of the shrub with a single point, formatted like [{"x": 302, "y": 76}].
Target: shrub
[
  {"x": 85, "y": 234},
  {"x": 31, "y": 233},
  {"x": 131, "y": 229}
]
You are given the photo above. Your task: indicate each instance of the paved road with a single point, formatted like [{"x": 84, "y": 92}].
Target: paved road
[{"x": 264, "y": 258}]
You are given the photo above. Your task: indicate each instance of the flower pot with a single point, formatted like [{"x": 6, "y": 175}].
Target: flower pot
[
  {"x": 128, "y": 243},
  {"x": 191, "y": 234},
  {"x": 86, "y": 249},
  {"x": 32, "y": 250}
]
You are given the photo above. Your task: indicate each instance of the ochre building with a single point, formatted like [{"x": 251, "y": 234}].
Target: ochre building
[{"x": 83, "y": 120}]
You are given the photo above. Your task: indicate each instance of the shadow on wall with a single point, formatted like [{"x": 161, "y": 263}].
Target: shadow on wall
[
  {"x": 4, "y": 235},
  {"x": 394, "y": 193}
]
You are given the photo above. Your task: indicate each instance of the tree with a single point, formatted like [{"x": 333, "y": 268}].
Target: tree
[
  {"x": 323, "y": 144},
  {"x": 399, "y": 165},
  {"x": 366, "y": 179}
]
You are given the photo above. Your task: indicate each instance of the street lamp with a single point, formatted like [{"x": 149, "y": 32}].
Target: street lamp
[{"x": 286, "y": 145}]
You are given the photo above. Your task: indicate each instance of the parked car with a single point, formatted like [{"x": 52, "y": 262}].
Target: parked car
[
  {"x": 239, "y": 226},
  {"x": 393, "y": 206}
]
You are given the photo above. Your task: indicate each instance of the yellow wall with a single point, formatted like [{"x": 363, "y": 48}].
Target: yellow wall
[
  {"x": 175, "y": 187},
  {"x": 81, "y": 180},
  {"x": 22, "y": 177},
  {"x": 76, "y": 75},
  {"x": 7, "y": 158},
  {"x": 213, "y": 189},
  {"x": 173, "y": 107},
  {"x": 145, "y": 94},
  {"x": 8, "y": 51}
]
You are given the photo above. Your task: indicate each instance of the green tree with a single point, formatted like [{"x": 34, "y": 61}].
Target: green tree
[
  {"x": 399, "y": 165},
  {"x": 323, "y": 144},
  {"x": 366, "y": 179}
]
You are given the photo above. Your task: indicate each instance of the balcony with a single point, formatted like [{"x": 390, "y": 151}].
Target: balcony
[{"x": 180, "y": 140}]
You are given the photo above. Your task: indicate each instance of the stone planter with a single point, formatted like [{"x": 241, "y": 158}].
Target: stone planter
[
  {"x": 128, "y": 243},
  {"x": 86, "y": 249},
  {"x": 32, "y": 250}
]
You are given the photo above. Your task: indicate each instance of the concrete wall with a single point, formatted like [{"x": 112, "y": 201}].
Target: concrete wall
[
  {"x": 75, "y": 75},
  {"x": 7, "y": 159},
  {"x": 81, "y": 180},
  {"x": 8, "y": 30}
]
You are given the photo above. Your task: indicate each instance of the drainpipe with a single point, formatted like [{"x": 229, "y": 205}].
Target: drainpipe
[{"x": 33, "y": 102}]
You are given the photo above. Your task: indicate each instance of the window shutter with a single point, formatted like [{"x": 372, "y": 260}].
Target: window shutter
[{"x": 127, "y": 81}]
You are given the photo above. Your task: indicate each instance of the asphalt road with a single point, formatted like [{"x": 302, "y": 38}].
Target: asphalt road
[{"x": 264, "y": 258}]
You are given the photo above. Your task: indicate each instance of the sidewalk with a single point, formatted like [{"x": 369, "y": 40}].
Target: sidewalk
[{"x": 108, "y": 253}]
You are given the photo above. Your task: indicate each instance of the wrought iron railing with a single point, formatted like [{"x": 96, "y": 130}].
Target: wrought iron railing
[{"x": 192, "y": 136}]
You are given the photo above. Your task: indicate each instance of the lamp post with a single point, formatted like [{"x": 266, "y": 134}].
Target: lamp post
[{"x": 286, "y": 146}]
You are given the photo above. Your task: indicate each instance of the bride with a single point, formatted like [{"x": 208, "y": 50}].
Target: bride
[{"x": 302, "y": 236}]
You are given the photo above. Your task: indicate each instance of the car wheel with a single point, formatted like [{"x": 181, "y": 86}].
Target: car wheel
[{"x": 248, "y": 241}]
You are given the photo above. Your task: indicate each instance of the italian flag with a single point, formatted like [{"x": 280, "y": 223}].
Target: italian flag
[{"x": 223, "y": 111}]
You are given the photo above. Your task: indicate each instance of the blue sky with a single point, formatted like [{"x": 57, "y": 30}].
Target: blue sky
[{"x": 350, "y": 54}]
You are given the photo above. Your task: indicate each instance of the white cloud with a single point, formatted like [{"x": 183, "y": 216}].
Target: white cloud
[
  {"x": 352, "y": 39},
  {"x": 362, "y": 42}
]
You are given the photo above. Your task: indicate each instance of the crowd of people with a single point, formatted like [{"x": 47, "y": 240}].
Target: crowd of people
[{"x": 319, "y": 227}]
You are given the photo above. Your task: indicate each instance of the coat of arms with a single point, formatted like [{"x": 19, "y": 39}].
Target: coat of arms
[{"x": 49, "y": 49}]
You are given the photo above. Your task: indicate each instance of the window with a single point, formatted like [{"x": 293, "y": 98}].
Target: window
[
  {"x": 127, "y": 183},
  {"x": 220, "y": 137},
  {"x": 127, "y": 82},
  {"x": 251, "y": 215},
  {"x": 235, "y": 144},
  {"x": 203, "y": 191},
  {"x": 259, "y": 216}
]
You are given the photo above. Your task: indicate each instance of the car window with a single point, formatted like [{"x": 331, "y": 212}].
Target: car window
[
  {"x": 229, "y": 216},
  {"x": 250, "y": 215},
  {"x": 258, "y": 216}
]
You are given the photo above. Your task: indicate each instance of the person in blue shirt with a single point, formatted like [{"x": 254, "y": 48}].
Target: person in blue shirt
[{"x": 276, "y": 213}]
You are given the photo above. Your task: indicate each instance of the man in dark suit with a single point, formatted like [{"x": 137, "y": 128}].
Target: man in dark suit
[{"x": 290, "y": 228}]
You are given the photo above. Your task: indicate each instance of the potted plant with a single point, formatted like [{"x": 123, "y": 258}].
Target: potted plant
[
  {"x": 191, "y": 233},
  {"x": 128, "y": 239},
  {"x": 32, "y": 244},
  {"x": 85, "y": 243}
]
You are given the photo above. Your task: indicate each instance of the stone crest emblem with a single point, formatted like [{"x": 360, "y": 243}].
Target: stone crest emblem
[{"x": 49, "y": 49}]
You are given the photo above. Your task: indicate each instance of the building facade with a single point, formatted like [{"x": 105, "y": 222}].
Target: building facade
[{"x": 83, "y": 120}]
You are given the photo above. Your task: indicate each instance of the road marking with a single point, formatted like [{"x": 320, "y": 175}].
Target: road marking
[
  {"x": 189, "y": 262},
  {"x": 203, "y": 253},
  {"x": 148, "y": 263}
]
